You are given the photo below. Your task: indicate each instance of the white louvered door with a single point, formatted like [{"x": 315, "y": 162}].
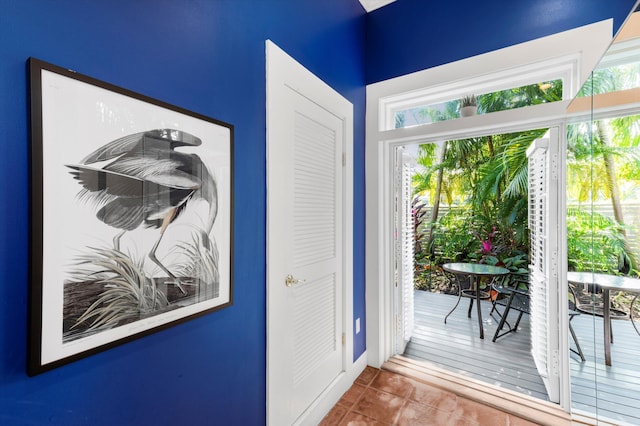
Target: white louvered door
[
  {"x": 404, "y": 285},
  {"x": 315, "y": 251},
  {"x": 543, "y": 228},
  {"x": 306, "y": 348}
]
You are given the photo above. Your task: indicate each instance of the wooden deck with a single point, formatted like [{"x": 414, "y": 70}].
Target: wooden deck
[{"x": 457, "y": 347}]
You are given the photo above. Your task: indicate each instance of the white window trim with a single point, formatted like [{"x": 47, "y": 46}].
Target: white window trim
[
  {"x": 578, "y": 51},
  {"x": 621, "y": 53}
]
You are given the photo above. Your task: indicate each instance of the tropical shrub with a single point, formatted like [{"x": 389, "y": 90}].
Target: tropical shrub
[
  {"x": 418, "y": 212},
  {"x": 595, "y": 243},
  {"x": 453, "y": 236}
]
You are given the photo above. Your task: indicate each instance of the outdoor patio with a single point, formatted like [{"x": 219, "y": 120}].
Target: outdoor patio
[{"x": 613, "y": 393}]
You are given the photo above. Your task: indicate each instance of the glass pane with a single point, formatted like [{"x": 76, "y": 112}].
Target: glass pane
[
  {"x": 603, "y": 194},
  {"x": 613, "y": 79},
  {"x": 517, "y": 97},
  {"x": 603, "y": 237}
]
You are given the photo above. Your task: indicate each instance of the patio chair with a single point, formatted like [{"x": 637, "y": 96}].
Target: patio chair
[
  {"x": 511, "y": 292},
  {"x": 572, "y": 314},
  {"x": 588, "y": 300},
  {"x": 514, "y": 294},
  {"x": 631, "y": 314}
]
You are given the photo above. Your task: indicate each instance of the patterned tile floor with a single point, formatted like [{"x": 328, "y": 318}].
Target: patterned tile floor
[{"x": 383, "y": 398}]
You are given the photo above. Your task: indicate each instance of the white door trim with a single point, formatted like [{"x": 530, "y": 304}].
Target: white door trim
[
  {"x": 282, "y": 70},
  {"x": 585, "y": 44}
]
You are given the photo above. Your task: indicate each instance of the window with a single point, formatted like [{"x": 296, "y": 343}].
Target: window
[{"x": 484, "y": 103}]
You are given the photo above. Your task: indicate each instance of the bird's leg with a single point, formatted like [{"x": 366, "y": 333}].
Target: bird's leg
[
  {"x": 152, "y": 254},
  {"x": 116, "y": 240}
]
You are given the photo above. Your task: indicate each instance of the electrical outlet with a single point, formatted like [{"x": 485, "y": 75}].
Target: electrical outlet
[{"x": 357, "y": 325}]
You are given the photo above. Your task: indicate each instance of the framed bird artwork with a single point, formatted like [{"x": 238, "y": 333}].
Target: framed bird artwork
[{"x": 131, "y": 215}]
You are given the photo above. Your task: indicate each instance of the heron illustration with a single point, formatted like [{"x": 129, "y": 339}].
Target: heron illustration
[{"x": 148, "y": 182}]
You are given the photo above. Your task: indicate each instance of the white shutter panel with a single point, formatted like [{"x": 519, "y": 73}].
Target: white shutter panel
[
  {"x": 407, "y": 252},
  {"x": 404, "y": 251},
  {"x": 538, "y": 295},
  {"x": 543, "y": 251}
]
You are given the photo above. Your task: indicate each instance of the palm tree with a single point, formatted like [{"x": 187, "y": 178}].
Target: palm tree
[
  {"x": 492, "y": 169},
  {"x": 426, "y": 153},
  {"x": 610, "y": 140},
  {"x": 501, "y": 189},
  {"x": 487, "y": 173},
  {"x": 491, "y": 172},
  {"x": 597, "y": 151}
]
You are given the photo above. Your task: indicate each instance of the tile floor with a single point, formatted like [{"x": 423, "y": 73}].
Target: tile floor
[{"x": 383, "y": 398}]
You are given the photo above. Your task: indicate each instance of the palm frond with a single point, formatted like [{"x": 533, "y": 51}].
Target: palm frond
[{"x": 517, "y": 187}]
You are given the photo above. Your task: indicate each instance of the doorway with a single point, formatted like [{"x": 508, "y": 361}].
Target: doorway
[
  {"x": 595, "y": 241},
  {"x": 470, "y": 204},
  {"x": 567, "y": 56}
]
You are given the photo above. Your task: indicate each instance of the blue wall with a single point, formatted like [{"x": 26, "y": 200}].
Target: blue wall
[
  {"x": 206, "y": 56},
  {"x": 433, "y": 33}
]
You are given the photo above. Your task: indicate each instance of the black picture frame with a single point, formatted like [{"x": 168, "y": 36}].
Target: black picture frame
[{"x": 131, "y": 216}]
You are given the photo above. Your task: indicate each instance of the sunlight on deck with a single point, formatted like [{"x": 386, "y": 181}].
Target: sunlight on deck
[{"x": 611, "y": 393}]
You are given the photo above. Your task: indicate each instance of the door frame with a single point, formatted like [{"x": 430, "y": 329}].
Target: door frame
[
  {"x": 282, "y": 71},
  {"x": 573, "y": 54}
]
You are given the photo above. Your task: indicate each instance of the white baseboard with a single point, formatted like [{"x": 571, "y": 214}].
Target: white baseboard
[{"x": 332, "y": 394}]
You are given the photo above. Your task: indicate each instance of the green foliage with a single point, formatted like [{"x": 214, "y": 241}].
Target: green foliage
[
  {"x": 500, "y": 191},
  {"x": 446, "y": 111},
  {"x": 489, "y": 173},
  {"x": 603, "y": 165},
  {"x": 484, "y": 181},
  {"x": 600, "y": 81},
  {"x": 534, "y": 94},
  {"x": 615, "y": 78},
  {"x": 459, "y": 236},
  {"x": 625, "y": 131},
  {"x": 453, "y": 237},
  {"x": 485, "y": 178},
  {"x": 595, "y": 243},
  {"x": 499, "y": 246},
  {"x": 518, "y": 97},
  {"x": 418, "y": 213}
]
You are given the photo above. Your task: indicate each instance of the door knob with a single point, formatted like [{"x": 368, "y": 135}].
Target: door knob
[{"x": 290, "y": 280}]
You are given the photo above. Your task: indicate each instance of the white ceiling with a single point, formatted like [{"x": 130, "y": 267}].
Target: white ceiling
[{"x": 370, "y": 5}]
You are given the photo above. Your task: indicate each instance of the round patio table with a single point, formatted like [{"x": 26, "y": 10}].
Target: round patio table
[
  {"x": 606, "y": 283},
  {"x": 474, "y": 271}
]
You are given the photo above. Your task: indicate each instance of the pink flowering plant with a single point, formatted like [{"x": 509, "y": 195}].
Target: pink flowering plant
[
  {"x": 498, "y": 248},
  {"x": 486, "y": 244}
]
